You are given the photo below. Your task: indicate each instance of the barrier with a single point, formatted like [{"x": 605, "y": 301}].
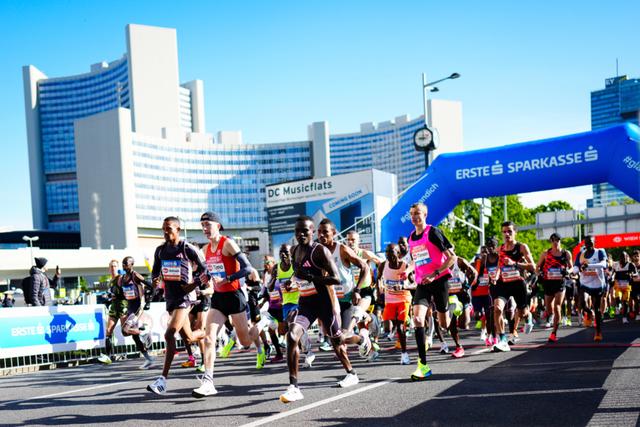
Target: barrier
[{"x": 608, "y": 155}]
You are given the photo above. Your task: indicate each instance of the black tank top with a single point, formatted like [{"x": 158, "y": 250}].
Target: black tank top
[{"x": 307, "y": 266}]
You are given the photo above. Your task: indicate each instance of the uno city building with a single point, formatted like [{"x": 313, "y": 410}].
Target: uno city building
[{"x": 114, "y": 151}]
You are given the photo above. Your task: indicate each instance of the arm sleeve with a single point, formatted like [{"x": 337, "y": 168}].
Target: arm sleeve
[
  {"x": 194, "y": 255},
  {"x": 437, "y": 237},
  {"x": 245, "y": 267}
]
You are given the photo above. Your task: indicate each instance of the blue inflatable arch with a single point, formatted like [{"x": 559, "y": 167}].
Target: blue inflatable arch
[{"x": 608, "y": 155}]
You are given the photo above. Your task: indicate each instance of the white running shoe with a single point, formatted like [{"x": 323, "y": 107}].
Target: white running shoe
[
  {"x": 625, "y": 320},
  {"x": 159, "y": 386},
  {"x": 444, "y": 348},
  {"x": 309, "y": 358},
  {"x": 501, "y": 346},
  {"x": 483, "y": 335},
  {"x": 206, "y": 388},
  {"x": 103, "y": 358},
  {"x": 292, "y": 394},
  {"x": 148, "y": 363},
  {"x": 429, "y": 341},
  {"x": 350, "y": 380},
  {"x": 325, "y": 346},
  {"x": 405, "y": 359},
  {"x": 513, "y": 339},
  {"x": 147, "y": 339},
  {"x": 528, "y": 327},
  {"x": 365, "y": 346}
]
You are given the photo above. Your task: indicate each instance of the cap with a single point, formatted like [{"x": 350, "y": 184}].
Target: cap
[
  {"x": 40, "y": 262},
  {"x": 211, "y": 216}
]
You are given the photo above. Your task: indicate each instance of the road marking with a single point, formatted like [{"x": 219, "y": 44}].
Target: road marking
[
  {"x": 285, "y": 414},
  {"x": 62, "y": 393}
]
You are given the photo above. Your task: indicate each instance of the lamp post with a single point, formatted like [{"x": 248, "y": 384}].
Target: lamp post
[
  {"x": 424, "y": 138},
  {"x": 31, "y": 240}
]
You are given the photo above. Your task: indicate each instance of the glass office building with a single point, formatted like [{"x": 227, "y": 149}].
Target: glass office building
[{"x": 618, "y": 102}]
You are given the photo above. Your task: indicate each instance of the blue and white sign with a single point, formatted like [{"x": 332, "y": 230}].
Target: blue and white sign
[
  {"x": 40, "y": 330},
  {"x": 609, "y": 155}
]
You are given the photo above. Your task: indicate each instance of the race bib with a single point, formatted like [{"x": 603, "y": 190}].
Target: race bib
[
  {"x": 171, "y": 270},
  {"x": 217, "y": 269},
  {"x": 554, "y": 274},
  {"x": 484, "y": 280},
  {"x": 339, "y": 291},
  {"x": 492, "y": 272},
  {"x": 622, "y": 284},
  {"x": 274, "y": 296},
  {"x": 421, "y": 255},
  {"x": 455, "y": 284},
  {"x": 129, "y": 292},
  {"x": 590, "y": 271},
  {"x": 305, "y": 287},
  {"x": 510, "y": 273},
  {"x": 394, "y": 285}
]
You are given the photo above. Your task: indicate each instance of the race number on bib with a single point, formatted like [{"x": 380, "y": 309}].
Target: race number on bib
[
  {"x": 217, "y": 269},
  {"x": 622, "y": 284},
  {"x": 421, "y": 255},
  {"x": 306, "y": 288},
  {"x": 590, "y": 271},
  {"x": 129, "y": 292},
  {"x": 510, "y": 273},
  {"x": 455, "y": 284},
  {"x": 394, "y": 285},
  {"x": 554, "y": 274},
  {"x": 171, "y": 270},
  {"x": 484, "y": 280}
]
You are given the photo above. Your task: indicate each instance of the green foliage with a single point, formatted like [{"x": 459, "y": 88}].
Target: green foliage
[
  {"x": 84, "y": 286},
  {"x": 466, "y": 240}
]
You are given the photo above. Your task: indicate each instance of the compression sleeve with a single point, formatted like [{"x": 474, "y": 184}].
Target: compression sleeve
[{"x": 245, "y": 267}]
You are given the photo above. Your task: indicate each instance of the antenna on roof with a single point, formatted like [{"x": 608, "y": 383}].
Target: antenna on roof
[{"x": 617, "y": 68}]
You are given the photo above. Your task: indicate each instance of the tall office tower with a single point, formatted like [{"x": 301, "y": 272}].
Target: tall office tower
[
  {"x": 144, "y": 80},
  {"x": 618, "y": 102}
]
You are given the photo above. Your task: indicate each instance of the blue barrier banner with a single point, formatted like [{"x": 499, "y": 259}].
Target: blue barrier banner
[
  {"x": 608, "y": 155},
  {"x": 40, "y": 330}
]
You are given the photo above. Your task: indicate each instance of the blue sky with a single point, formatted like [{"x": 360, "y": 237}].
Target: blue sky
[{"x": 272, "y": 67}]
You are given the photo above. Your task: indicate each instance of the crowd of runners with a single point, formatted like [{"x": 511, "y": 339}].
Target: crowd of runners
[{"x": 217, "y": 301}]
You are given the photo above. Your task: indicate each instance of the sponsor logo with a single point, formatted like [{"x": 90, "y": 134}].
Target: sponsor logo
[
  {"x": 617, "y": 239},
  {"x": 528, "y": 165}
]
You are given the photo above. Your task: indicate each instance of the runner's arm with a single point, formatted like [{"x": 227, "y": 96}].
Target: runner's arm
[
  {"x": 528, "y": 263},
  {"x": 349, "y": 257}
]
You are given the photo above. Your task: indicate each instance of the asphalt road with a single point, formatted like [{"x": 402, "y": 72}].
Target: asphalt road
[{"x": 574, "y": 382}]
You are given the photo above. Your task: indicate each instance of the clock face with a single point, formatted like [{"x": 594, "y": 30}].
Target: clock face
[{"x": 422, "y": 138}]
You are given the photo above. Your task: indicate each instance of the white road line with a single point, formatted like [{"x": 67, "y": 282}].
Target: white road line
[
  {"x": 62, "y": 393},
  {"x": 517, "y": 393},
  {"x": 482, "y": 350},
  {"x": 316, "y": 404}
]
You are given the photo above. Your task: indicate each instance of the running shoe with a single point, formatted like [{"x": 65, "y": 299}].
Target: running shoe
[
  {"x": 206, "y": 388},
  {"x": 625, "y": 320},
  {"x": 547, "y": 325},
  {"x": 189, "y": 363},
  {"x": 375, "y": 346},
  {"x": 292, "y": 394},
  {"x": 479, "y": 324},
  {"x": 147, "y": 339},
  {"x": 373, "y": 356},
  {"x": 405, "y": 359},
  {"x": 528, "y": 327},
  {"x": 365, "y": 346},
  {"x": 421, "y": 372},
  {"x": 597, "y": 337},
  {"x": 309, "y": 358},
  {"x": 501, "y": 346},
  {"x": 148, "y": 363},
  {"x": 397, "y": 345},
  {"x": 569, "y": 322},
  {"x": 483, "y": 335},
  {"x": 325, "y": 346},
  {"x": 200, "y": 368},
  {"x": 261, "y": 357},
  {"x": 224, "y": 353},
  {"x": 488, "y": 341},
  {"x": 391, "y": 336},
  {"x": 553, "y": 338},
  {"x": 277, "y": 358},
  {"x": 429, "y": 340},
  {"x": 587, "y": 321},
  {"x": 513, "y": 339},
  {"x": 444, "y": 348},
  {"x": 103, "y": 358},
  {"x": 458, "y": 353},
  {"x": 350, "y": 380},
  {"x": 159, "y": 386}
]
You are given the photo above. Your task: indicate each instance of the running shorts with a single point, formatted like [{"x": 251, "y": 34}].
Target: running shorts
[
  {"x": 314, "y": 307},
  {"x": 436, "y": 292},
  {"x": 118, "y": 308},
  {"x": 229, "y": 303},
  {"x": 396, "y": 311},
  {"x": 286, "y": 309},
  {"x": 622, "y": 293},
  {"x": 517, "y": 290},
  {"x": 552, "y": 287},
  {"x": 276, "y": 313},
  {"x": 482, "y": 304},
  {"x": 202, "y": 305}
]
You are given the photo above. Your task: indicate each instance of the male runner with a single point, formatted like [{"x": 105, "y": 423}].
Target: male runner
[
  {"x": 554, "y": 265},
  {"x": 462, "y": 276},
  {"x": 591, "y": 264},
  {"x": 172, "y": 263},
  {"x": 433, "y": 256},
  {"x": 624, "y": 272},
  {"x": 117, "y": 311},
  {"x": 348, "y": 291},
  {"x": 634, "y": 298},
  {"x": 488, "y": 273},
  {"x": 133, "y": 288},
  {"x": 315, "y": 275},
  {"x": 227, "y": 264}
]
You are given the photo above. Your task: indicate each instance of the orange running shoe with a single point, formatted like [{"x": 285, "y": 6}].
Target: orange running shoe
[
  {"x": 597, "y": 337},
  {"x": 189, "y": 363},
  {"x": 553, "y": 338}
]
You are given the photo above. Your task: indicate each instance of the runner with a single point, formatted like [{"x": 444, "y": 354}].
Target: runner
[
  {"x": 117, "y": 311},
  {"x": 634, "y": 301},
  {"x": 172, "y": 264},
  {"x": 488, "y": 273},
  {"x": 393, "y": 281},
  {"x": 227, "y": 264},
  {"x": 433, "y": 257},
  {"x": 348, "y": 292},
  {"x": 315, "y": 275},
  {"x": 591, "y": 264},
  {"x": 554, "y": 265},
  {"x": 624, "y": 272},
  {"x": 197, "y": 317},
  {"x": 515, "y": 259},
  {"x": 462, "y": 275},
  {"x": 133, "y": 288}
]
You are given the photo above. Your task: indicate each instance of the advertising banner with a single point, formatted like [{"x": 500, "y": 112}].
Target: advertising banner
[
  {"x": 39, "y": 330},
  {"x": 609, "y": 155}
]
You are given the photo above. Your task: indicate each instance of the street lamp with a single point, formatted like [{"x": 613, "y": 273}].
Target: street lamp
[
  {"x": 31, "y": 240},
  {"x": 424, "y": 138}
]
